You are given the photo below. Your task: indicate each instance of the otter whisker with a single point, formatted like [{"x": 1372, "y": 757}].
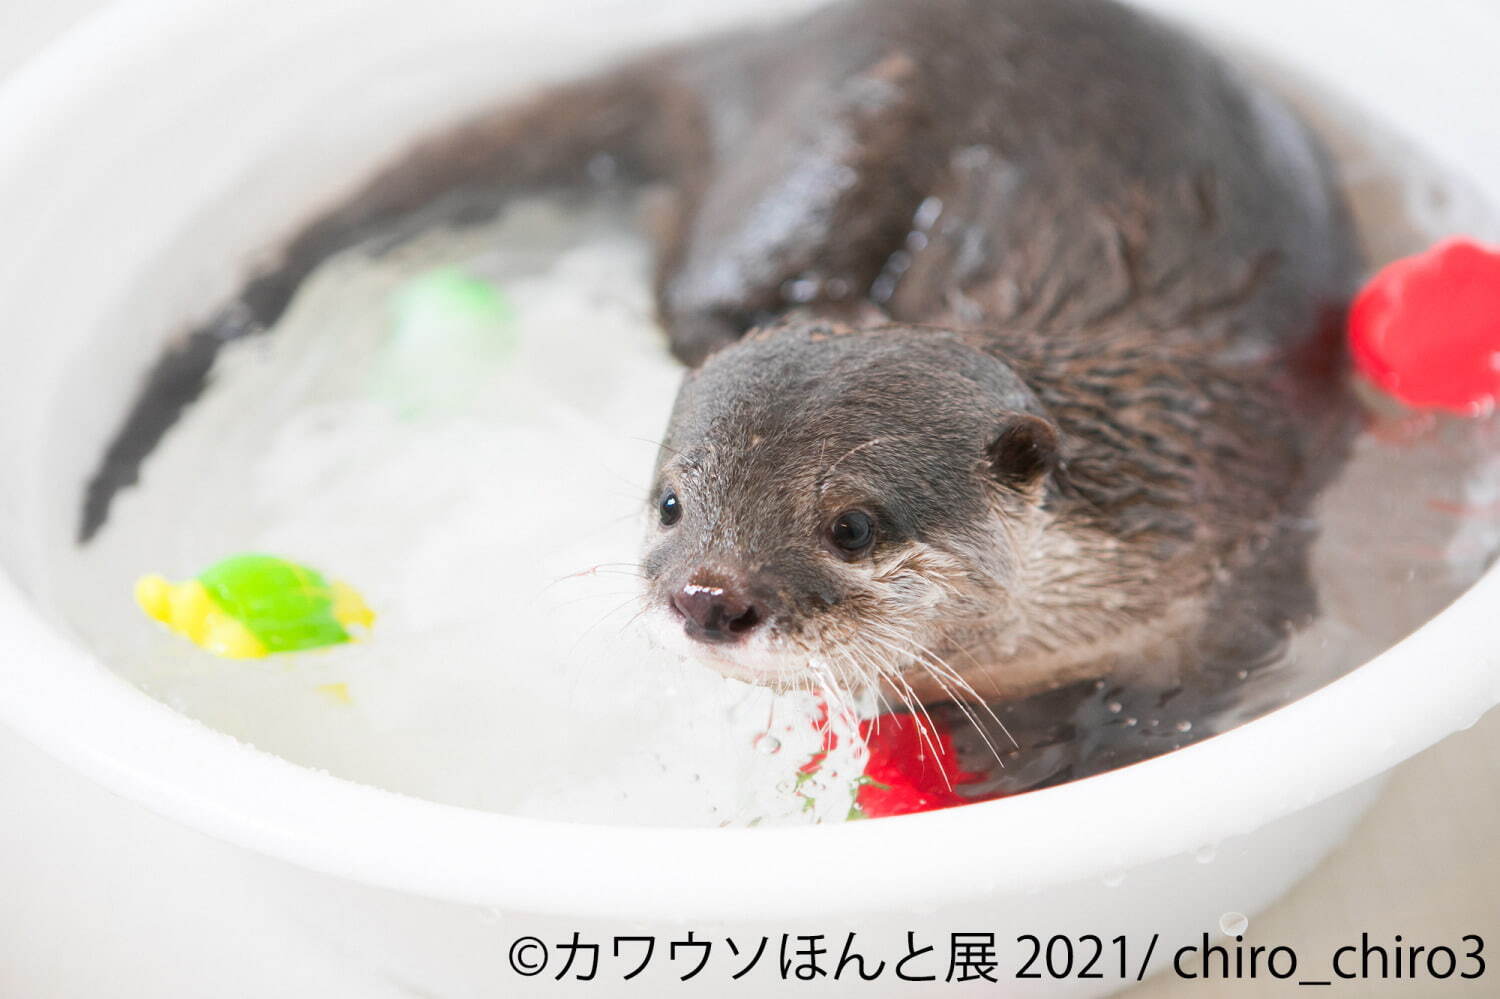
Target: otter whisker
[
  {"x": 600, "y": 620},
  {"x": 586, "y": 597},
  {"x": 973, "y": 720},
  {"x": 958, "y": 702},
  {"x": 645, "y": 607},
  {"x": 965, "y": 687},
  {"x": 829, "y": 691},
  {"x": 938, "y": 677},
  {"x": 835, "y": 684},
  {"x": 850, "y": 675},
  {"x": 593, "y": 661},
  {"x": 535, "y": 603},
  {"x": 915, "y": 707},
  {"x": 600, "y": 567},
  {"x": 631, "y": 569},
  {"x": 927, "y": 731},
  {"x": 872, "y": 684},
  {"x": 654, "y": 443}
]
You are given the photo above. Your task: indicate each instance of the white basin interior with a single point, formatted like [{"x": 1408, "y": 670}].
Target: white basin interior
[{"x": 118, "y": 153}]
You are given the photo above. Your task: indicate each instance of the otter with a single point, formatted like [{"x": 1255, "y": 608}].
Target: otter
[{"x": 1011, "y": 326}]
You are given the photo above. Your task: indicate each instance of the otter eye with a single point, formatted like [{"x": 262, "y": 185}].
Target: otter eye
[
  {"x": 669, "y": 508},
  {"x": 852, "y": 531}
]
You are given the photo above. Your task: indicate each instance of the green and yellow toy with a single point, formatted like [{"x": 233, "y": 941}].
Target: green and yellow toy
[{"x": 249, "y": 606}]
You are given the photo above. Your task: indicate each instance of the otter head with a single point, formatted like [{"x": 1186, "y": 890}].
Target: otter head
[{"x": 845, "y": 506}]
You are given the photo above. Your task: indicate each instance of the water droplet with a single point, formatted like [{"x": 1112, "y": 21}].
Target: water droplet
[
  {"x": 1243, "y": 674},
  {"x": 1114, "y": 880},
  {"x": 1115, "y": 707},
  {"x": 927, "y": 212},
  {"x": 1205, "y": 854},
  {"x": 767, "y": 745},
  {"x": 1131, "y": 722},
  {"x": 1184, "y": 726},
  {"x": 602, "y": 168},
  {"x": 1234, "y": 924},
  {"x": 802, "y": 289}
]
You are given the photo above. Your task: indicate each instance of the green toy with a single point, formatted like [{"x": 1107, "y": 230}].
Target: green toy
[
  {"x": 447, "y": 329},
  {"x": 249, "y": 606}
]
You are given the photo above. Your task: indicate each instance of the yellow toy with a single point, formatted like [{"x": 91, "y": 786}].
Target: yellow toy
[{"x": 249, "y": 606}]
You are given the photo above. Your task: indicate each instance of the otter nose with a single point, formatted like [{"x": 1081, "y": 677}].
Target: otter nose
[{"x": 715, "y": 612}]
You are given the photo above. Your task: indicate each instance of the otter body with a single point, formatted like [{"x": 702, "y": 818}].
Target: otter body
[{"x": 1041, "y": 301}]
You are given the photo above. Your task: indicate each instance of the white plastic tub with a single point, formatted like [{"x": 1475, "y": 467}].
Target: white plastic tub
[{"x": 118, "y": 151}]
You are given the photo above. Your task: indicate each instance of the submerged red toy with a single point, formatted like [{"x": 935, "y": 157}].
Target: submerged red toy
[{"x": 903, "y": 773}]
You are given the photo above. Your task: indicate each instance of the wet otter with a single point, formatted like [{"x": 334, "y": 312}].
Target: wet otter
[{"x": 1042, "y": 371}]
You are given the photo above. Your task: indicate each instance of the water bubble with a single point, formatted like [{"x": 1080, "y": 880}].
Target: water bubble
[
  {"x": 1234, "y": 924},
  {"x": 768, "y": 745},
  {"x": 1115, "y": 707},
  {"x": 1114, "y": 879},
  {"x": 1131, "y": 722},
  {"x": 1205, "y": 854},
  {"x": 1184, "y": 726},
  {"x": 1243, "y": 674}
]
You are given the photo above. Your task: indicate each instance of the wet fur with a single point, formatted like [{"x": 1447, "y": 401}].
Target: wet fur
[{"x": 1077, "y": 281}]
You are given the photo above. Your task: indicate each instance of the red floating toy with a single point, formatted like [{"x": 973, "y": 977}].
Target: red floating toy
[
  {"x": 1426, "y": 329},
  {"x": 902, "y": 774}
]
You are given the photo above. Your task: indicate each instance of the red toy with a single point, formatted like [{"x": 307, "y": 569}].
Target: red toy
[
  {"x": 902, "y": 774},
  {"x": 1426, "y": 329}
]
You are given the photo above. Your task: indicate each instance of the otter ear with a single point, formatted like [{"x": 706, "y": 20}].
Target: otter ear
[{"x": 1024, "y": 451}]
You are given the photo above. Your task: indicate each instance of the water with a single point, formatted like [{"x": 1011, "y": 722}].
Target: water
[
  {"x": 495, "y": 531},
  {"x": 493, "y": 535}
]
